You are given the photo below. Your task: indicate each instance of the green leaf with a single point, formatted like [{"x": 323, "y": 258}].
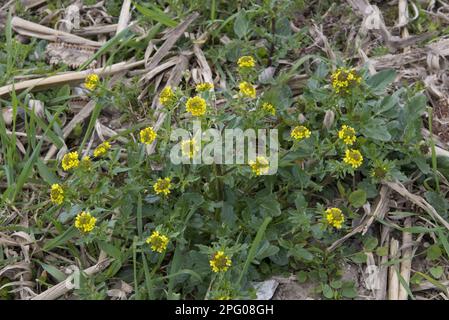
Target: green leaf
[
  {"x": 381, "y": 80},
  {"x": 328, "y": 292},
  {"x": 357, "y": 198},
  {"x": 349, "y": 292},
  {"x": 270, "y": 206},
  {"x": 376, "y": 129},
  {"x": 359, "y": 257},
  {"x": 61, "y": 239},
  {"x": 336, "y": 284},
  {"x": 302, "y": 254},
  {"x": 387, "y": 103},
  {"x": 301, "y": 276},
  {"x": 416, "y": 106},
  {"x": 110, "y": 250},
  {"x": 241, "y": 24},
  {"x": 382, "y": 251},
  {"x": 227, "y": 214},
  {"x": 253, "y": 249},
  {"x": 283, "y": 27},
  {"x": 439, "y": 202},
  {"x": 45, "y": 172},
  {"x": 53, "y": 271},
  {"x": 433, "y": 281},
  {"x": 300, "y": 202},
  {"x": 433, "y": 252},
  {"x": 370, "y": 243},
  {"x": 156, "y": 14},
  {"x": 443, "y": 239},
  {"x": 175, "y": 265},
  {"x": 271, "y": 250},
  {"x": 436, "y": 272}
]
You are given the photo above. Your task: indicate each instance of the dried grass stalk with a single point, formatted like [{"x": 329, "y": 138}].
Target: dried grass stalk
[
  {"x": 62, "y": 288},
  {"x": 171, "y": 40},
  {"x": 418, "y": 200},
  {"x": 29, "y": 4},
  {"x": 31, "y": 29},
  {"x": 393, "y": 279},
  {"x": 69, "y": 77},
  {"x": 407, "y": 256},
  {"x": 381, "y": 292},
  {"x": 125, "y": 16}
]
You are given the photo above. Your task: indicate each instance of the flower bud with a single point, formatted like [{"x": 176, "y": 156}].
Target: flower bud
[{"x": 329, "y": 118}]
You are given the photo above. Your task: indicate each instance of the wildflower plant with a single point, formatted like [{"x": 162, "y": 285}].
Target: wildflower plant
[
  {"x": 196, "y": 229},
  {"x": 221, "y": 222}
]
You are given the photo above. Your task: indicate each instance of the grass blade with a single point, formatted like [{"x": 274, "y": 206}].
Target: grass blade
[
  {"x": 254, "y": 247},
  {"x": 156, "y": 14}
]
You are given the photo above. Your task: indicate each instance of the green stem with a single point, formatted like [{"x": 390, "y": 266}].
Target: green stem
[{"x": 432, "y": 146}]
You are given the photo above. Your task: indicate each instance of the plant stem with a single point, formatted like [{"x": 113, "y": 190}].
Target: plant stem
[{"x": 432, "y": 146}]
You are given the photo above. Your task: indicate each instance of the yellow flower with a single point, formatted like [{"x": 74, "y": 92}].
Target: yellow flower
[
  {"x": 157, "y": 241},
  {"x": 84, "y": 222},
  {"x": 162, "y": 186},
  {"x": 86, "y": 163},
  {"x": 343, "y": 79},
  {"x": 268, "y": 108},
  {"x": 70, "y": 160},
  {"x": 167, "y": 96},
  {"x": 196, "y": 106},
  {"x": 353, "y": 157},
  {"x": 102, "y": 149},
  {"x": 224, "y": 297},
  {"x": 220, "y": 262},
  {"x": 189, "y": 148},
  {"x": 335, "y": 217},
  {"x": 347, "y": 134},
  {"x": 56, "y": 194},
  {"x": 260, "y": 166},
  {"x": 300, "y": 132},
  {"x": 247, "y": 89},
  {"x": 147, "y": 135},
  {"x": 91, "y": 81},
  {"x": 204, "y": 86},
  {"x": 246, "y": 62}
]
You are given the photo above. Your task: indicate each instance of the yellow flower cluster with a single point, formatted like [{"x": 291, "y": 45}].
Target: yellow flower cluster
[
  {"x": 91, "y": 82},
  {"x": 70, "y": 160},
  {"x": 204, "y": 86},
  {"x": 343, "y": 79},
  {"x": 196, "y": 106},
  {"x": 353, "y": 157},
  {"x": 347, "y": 134},
  {"x": 300, "y": 132},
  {"x": 157, "y": 241},
  {"x": 247, "y": 89},
  {"x": 246, "y": 62},
  {"x": 268, "y": 108},
  {"x": 147, "y": 135},
  {"x": 220, "y": 262},
  {"x": 335, "y": 217},
  {"x": 102, "y": 149},
  {"x": 163, "y": 186},
  {"x": 189, "y": 148},
  {"x": 84, "y": 222},
  {"x": 260, "y": 166},
  {"x": 167, "y": 96},
  {"x": 56, "y": 194}
]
